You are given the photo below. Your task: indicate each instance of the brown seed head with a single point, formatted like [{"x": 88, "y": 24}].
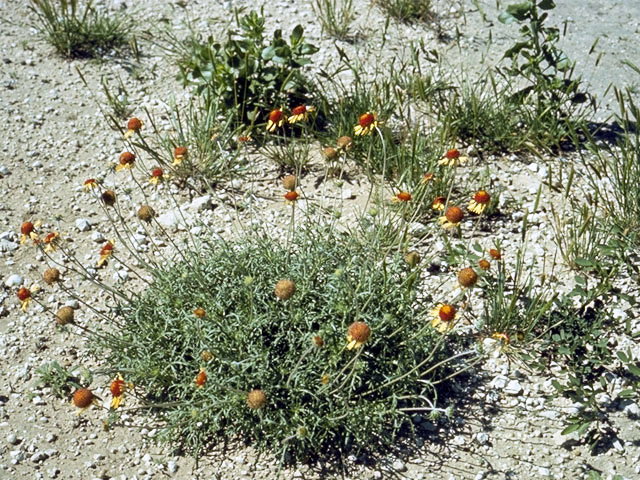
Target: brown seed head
[
  {"x": 495, "y": 254},
  {"x": 467, "y": 277},
  {"x": 359, "y": 331},
  {"x": 83, "y": 397},
  {"x": 146, "y": 213},
  {"x": 289, "y": 182},
  {"x": 481, "y": 197},
  {"x": 412, "y": 258},
  {"x": 345, "y": 143},
  {"x": 127, "y": 158},
  {"x": 329, "y": 153},
  {"x": 180, "y": 151},
  {"x": 454, "y": 214},
  {"x": 285, "y": 289},
  {"x": 64, "y": 316},
  {"x": 206, "y": 355},
  {"x": 318, "y": 341},
  {"x": 200, "y": 312},
  {"x": 109, "y": 197},
  {"x": 51, "y": 275},
  {"x": 484, "y": 264},
  {"x": 134, "y": 124},
  {"x": 447, "y": 313},
  {"x": 26, "y": 228},
  {"x": 256, "y": 399},
  {"x": 23, "y": 294}
]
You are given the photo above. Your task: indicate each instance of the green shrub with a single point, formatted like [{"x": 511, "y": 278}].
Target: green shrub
[
  {"x": 319, "y": 398},
  {"x": 247, "y": 75},
  {"x": 80, "y": 31}
]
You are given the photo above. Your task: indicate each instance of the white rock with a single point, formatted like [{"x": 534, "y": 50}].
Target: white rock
[
  {"x": 53, "y": 472},
  {"x": 200, "y": 204},
  {"x": 418, "y": 229},
  {"x": 544, "y": 472},
  {"x": 97, "y": 237},
  {"x": 347, "y": 194},
  {"x": 83, "y": 225},
  {"x": 172, "y": 467},
  {"x": 513, "y": 388},
  {"x": 499, "y": 382},
  {"x": 12, "y": 439},
  {"x": 8, "y": 245},
  {"x": 482, "y": 438},
  {"x": 14, "y": 280},
  {"x": 631, "y": 409},
  {"x": 172, "y": 220},
  {"x": 399, "y": 466}
]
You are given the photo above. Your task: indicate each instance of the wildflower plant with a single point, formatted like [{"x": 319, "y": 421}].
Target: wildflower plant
[
  {"x": 248, "y": 74},
  {"x": 322, "y": 335}
]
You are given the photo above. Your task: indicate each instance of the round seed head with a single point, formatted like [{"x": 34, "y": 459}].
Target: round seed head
[
  {"x": 206, "y": 356},
  {"x": 256, "y": 399},
  {"x": 289, "y": 182},
  {"x": 127, "y": 158},
  {"x": 51, "y": 275},
  {"x": 200, "y": 312},
  {"x": 64, "y": 316},
  {"x": 275, "y": 115},
  {"x": 157, "y": 172},
  {"x": 453, "y": 153},
  {"x": 495, "y": 254},
  {"x": 318, "y": 341},
  {"x": 345, "y": 142},
  {"x": 180, "y": 151},
  {"x": 299, "y": 110},
  {"x": 359, "y": 331},
  {"x": 83, "y": 397},
  {"x": 412, "y": 259},
  {"x": 484, "y": 264},
  {"x": 285, "y": 289},
  {"x": 291, "y": 196},
  {"x": 146, "y": 213},
  {"x": 467, "y": 277},
  {"x": 134, "y": 124},
  {"x": 109, "y": 197},
  {"x": 330, "y": 153},
  {"x": 454, "y": 214}
]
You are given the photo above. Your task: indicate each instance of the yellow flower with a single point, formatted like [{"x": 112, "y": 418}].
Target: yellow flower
[
  {"x": 452, "y": 158},
  {"x": 105, "y": 253},
  {"x": 443, "y": 317},
  {"x": 452, "y": 218},
  {"x": 127, "y": 160},
  {"x": 133, "y": 126},
  {"x": 479, "y": 202},
  {"x": 29, "y": 230},
  {"x": 51, "y": 242},
  {"x": 301, "y": 113},
  {"x": 367, "y": 123},
  {"x": 24, "y": 295},
  {"x": 157, "y": 176},
  {"x": 179, "y": 154},
  {"x": 276, "y": 120},
  {"x": 118, "y": 387},
  {"x": 439, "y": 203},
  {"x": 357, "y": 334}
]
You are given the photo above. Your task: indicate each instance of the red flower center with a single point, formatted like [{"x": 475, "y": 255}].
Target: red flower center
[
  {"x": 107, "y": 249},
  {"x": 117, "y": 387},
  {"x": 24, "y": 293},
  {"x": 127, "y": 158},
  {"x": 26, "y": 228},
  {"x": 275, "y": 116},
  {"x": 90, "y": 181},
  {"x": 403, "y": 196},
  {"x": 291, "y": 196},
  {"x": 201, "y": 378},
  {"x": 180, "y": 151},
  {"x": 481, "y": 197},
  {"x": 366, "y": 119},
  {"x": 447, "y": 313},
  {"x": 299, "y": 110},
  {"x": 157, "y": 172},
  {"x": 49, "y": 237},
  {"x": 453, "y": 153},
  {"x": 495, "y": 254}
]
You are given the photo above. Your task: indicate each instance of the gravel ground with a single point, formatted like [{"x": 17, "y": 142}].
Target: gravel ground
[{"x": 57, "y": 137}]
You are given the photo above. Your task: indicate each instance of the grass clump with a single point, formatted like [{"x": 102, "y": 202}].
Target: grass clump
[
  {"x": 407, "y": 10},
  {"x": 78, "y": 30},
  {"x": 321, "y": 345}
]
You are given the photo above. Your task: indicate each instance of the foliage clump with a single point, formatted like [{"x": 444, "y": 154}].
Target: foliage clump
[{"x": 323, "y": 387}]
